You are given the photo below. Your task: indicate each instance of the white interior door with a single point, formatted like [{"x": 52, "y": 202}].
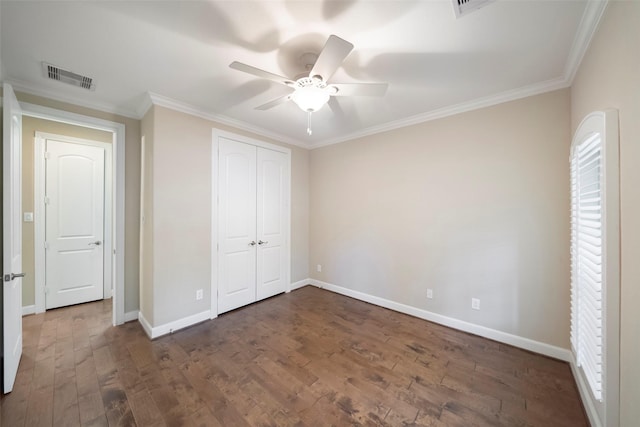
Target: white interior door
[
  {"x": 271, "y": 277},
  {"x": 74, "y": 223},
  {"x": 12, "y": 238},
  {"x": 236, "y": 224}
]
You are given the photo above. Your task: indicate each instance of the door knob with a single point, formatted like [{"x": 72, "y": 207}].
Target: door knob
[
  {"x": 260, "y": 242},
  {"x": 8, "y": 278},
  {"x": 252, "y": 243},
  {"x": 97, "y": 243}
]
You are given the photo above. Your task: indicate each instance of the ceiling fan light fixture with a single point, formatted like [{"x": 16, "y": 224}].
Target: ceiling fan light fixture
[
  {"x": 310, "y": 89},
  {"x": 310, "y": 98}
]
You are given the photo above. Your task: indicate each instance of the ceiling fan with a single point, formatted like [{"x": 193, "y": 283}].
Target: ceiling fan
[{"x": 312, "y": 91}]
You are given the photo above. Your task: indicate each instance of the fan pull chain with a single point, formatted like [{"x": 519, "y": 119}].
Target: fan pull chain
[{"x": 309, "y": 132}]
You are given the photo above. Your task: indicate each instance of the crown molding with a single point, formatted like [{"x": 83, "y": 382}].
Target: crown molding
[
  {"x": 588, "y": 25},
  {"x": 511, "y": 95},
  {"x": 20, "y": 86},
  {"x": 182, "y": 107},
  {"x": 145, "y": 105},
  {"x": 488, "y": 101}
]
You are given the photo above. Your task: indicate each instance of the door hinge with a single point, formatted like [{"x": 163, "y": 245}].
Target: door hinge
[
  {"x": 47, "y": 155},
  {"x": 47, "y": 200},
  {"x": 46, "y": 245}
]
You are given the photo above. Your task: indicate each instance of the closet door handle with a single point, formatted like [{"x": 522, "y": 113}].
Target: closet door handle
[
  {"x": 260, "y": 242},
  {"x": 252, "y": 243}
]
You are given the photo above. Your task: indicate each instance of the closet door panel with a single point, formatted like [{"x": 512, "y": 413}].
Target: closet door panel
[
  {"x": 272, "y": 205},
  {"x": 236, "y": 224}
]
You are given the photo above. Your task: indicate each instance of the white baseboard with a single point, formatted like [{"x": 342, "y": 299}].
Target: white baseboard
[
  {"x": 300, "y": 284},
  {"x": 503, "y": 337},
  {"x": 167, "y": 328},
  {"x": 585, "y": 394},
  {"x": 145, "y": 325},
  {"x": 155, "y": 332},
  {"x": 28, "y": 309},
  {"x": 130, "y": 316}
]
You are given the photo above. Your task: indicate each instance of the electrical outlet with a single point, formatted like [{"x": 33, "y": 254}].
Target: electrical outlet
[
  {"x": 199, "y": 294},
  {"x": 319, "y": 268},
  {"x": 475, "y": 303},
  {"x": 430, "y": 293}
]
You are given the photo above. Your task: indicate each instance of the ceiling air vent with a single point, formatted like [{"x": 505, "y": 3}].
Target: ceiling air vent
[
  {"x": 464, "y": 7},
  {"x": 65, "y": 76}
]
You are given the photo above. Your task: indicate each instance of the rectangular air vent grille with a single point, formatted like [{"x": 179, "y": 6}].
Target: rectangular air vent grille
[
  {"x": 65, "y": 76},
  {"x": 464, "y": 7}
]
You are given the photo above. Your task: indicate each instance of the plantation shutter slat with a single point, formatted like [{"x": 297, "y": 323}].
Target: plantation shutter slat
[
  {"x": 591, "y": 164},
  {"x": 591, "y": 144},
  {"x": 586, "y": 263}
]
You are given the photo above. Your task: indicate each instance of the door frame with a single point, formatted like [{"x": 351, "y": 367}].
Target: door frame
[
  {"x": 216, "y": 135},
  {"x": 118, "y": 189},
  {"x": 39, "y": 182}
]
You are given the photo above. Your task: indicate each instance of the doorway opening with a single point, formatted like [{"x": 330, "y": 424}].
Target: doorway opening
[{"x": 112, "y": 240}]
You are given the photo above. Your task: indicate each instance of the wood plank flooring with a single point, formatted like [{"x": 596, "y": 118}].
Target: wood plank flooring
[{"x": 308, "y": 358}]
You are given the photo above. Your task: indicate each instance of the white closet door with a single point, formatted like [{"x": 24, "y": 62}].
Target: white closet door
[
  {"x": 236, "y": 224},
  {"x": 271, "y": 216}
]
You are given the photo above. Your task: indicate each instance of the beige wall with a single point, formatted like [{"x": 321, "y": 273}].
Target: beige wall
[
  {"x": 182, "y": 213},
  {"x": 30, "y": 126},
  {"x": 132, "y": 187},
  {"x": 146, "y": 249},
  {"x": 609, "y": 77},
  {"x": 474, "y": 205}
]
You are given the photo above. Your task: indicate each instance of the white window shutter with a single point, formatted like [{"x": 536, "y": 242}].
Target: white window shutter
[
  {"x": 587, "y": 259},
  {"x": 595, "y": 266}
]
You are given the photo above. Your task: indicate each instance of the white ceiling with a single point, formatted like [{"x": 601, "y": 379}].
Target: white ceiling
[{"x": 179, "y": 52}]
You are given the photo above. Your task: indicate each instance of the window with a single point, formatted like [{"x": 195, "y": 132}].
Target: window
[
  {"x": 595, "y": 265},
  {"x": 586, "y": 259}
]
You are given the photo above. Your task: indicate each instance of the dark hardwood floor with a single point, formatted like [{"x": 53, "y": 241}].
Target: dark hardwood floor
[{"x": 308, "y": 358}]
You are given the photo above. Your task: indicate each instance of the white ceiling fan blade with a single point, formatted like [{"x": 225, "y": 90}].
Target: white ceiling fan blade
[
  {"x": 260, "y": 73},
  {"x": 275, "y": 102},
  {"x": 359, "y": 89},
  {"x": 333, "y": 54}
]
